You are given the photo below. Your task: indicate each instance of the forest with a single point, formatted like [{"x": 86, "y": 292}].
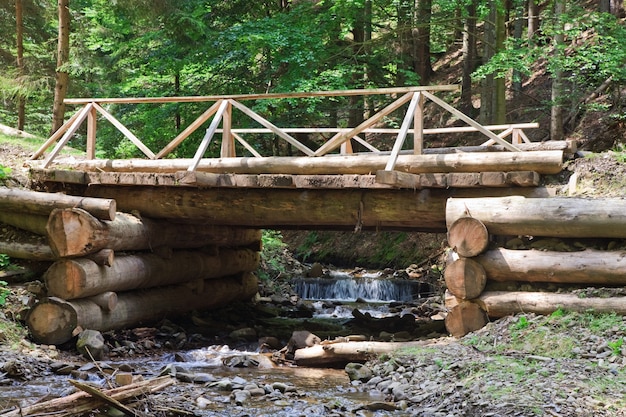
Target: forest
[{"x": 514, "y": 60}]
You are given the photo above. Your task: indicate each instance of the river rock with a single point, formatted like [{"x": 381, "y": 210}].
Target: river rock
[
  {"x": 241, "y": 397},
  {"x": 358, "y": 372},
  {"x": 91, "y": 345},
  {"x": 247, "y": 333}
]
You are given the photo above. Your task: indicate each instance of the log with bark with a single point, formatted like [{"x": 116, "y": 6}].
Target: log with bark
[
  {"x": 543, "y": 162},
  {"x": 593, "y": 267},
  {"x": 554, "y": 217},
  {"x": 34, "y": 223},
  {"x": 55, "y": 321},
  {"x": 33, "y": 202},
  {"x": 74, "y": 232},
  {"x": 339, "y": 354},
  {"x": 284, "y": 208},
  {"x": 32, "y": 249},
  {"x": 80, "y": 277},
  {"x": 503, "y": 303},
  {"x": 81, "y": 402}
]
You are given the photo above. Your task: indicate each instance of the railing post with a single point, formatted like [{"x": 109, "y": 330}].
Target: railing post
[
  {"x": 91, "y": 133},
  {"x": 228, "y": 140},
  {"x": 346, "y": 148},
  {"x": 418, "y": 126}
]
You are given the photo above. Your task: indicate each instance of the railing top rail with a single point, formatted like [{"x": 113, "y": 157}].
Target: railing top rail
[{"x": 196, "y": 99}]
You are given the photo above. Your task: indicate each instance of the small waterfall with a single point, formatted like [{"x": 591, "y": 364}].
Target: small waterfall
[{"x": 371, "y": 288}]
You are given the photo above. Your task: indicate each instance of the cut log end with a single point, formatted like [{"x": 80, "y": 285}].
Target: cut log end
[
  {"x": 52, "y": 321},
  {"x": 465, "y": 278},
  {"x": 464, "y": 318},
  {"x": 468, "y": 236}
]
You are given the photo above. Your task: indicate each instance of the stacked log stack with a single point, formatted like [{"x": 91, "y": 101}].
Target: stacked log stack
[
  {"x": 109, "y": 270},
  {"x": 552, "y": 275}
]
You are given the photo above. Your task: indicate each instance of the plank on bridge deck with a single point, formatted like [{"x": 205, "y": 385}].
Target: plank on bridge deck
[
  {"x": 382, "y": 179},
  {"x": 398, "y": 179}
]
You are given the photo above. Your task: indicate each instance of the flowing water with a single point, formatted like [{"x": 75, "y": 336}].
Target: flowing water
[{"x": 332, "y": 296}]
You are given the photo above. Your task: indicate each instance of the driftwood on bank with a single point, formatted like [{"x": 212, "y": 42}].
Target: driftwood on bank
[
  {"x": 77, "y": 278},
  {"x": 55, "y": 321},
  {"x": 74, "y": 232},
  {"x": 543, "y": 162},
  {"x": 81, "y": 402},
  {"x": 593, "y": 267},
  {"x": 33, "y": 202},
  {"x": 554, "y": 217},
  {"x": 339, "y": 354}
]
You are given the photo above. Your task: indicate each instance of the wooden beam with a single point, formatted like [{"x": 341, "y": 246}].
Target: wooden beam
[
  {"x": 543, "y": 162},
  {"x": 55, "y": 136},
  {"x": 339, "y": 138},
  {"x": 139, "y": 144},
  {"x": 398, "y": 179},
  {"x": 188, "y": 131},
  {"x": 196, "y": 99},
  {"x": 68, "y": 134},
  {"x": 379, "y": 209},
  {"x": 470, "y": 121},
  {"x": 92, "y": 123},
  {"x": 223, "y": 105},
  {"x": 408, "y": 118},
  {"x": 245, "y": 110}
]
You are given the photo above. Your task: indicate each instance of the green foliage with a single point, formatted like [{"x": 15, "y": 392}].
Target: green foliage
[
  {"x": 5, "y": 261},
  {"x": 4, "y": 292},
  {"x": 522, "y": 323},
  {"x": 272, "y": 255},
  {"x": 4, "y": 173}
]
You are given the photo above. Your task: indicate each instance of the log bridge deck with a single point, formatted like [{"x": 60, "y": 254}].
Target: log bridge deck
[{"x": 403, "y": 187}]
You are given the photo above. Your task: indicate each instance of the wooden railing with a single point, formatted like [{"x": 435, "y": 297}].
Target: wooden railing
[{"x": 221, "y": 111}]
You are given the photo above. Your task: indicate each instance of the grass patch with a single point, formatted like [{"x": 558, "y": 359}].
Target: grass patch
[{"x": 31, "y": 145}]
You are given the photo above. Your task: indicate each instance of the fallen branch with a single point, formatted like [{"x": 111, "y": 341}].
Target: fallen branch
[{"x": 81, "y": 402}]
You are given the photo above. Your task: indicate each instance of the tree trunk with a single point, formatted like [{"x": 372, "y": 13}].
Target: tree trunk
[
  {"x": 74, "y": 232},
  {"x": 55, "y": 321},
  {"x": 464, "y": 318},
  {"x": 499, "y": 104},
  {"x": 500, "y": 304},
  {"x": 465, "y": 278},
  {"x": 557, "y": 93},
  {"x": 77, "y": 278},
  {"x": 421, "y": 40},
  {"x": 487, "y": 93},
  {"x": 339, "y": 354},
  {"x": 468, "y": 236},
  {"x": 543, "y": 162},
  {"x": 470, "y": 58},
  {"x": 63, "y": 56},
  {"x": 533, "y": 19},
  {"x": 21, "y": 101},
  {"x": 377, "y": 209},
  {"x": 33, "y": 202},
  {"x": 554, "y": 217},
  {"x": 592, "y": 267}
]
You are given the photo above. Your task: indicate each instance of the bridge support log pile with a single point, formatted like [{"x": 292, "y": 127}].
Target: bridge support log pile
[
  {"x": 558, "y": 249},
  {"x": 106, "y": 269}
]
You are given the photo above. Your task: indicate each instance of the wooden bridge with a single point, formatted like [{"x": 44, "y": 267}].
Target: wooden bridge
[
  {"x": 185, "y": 232},
  {"x": 402, "y": 186}
]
